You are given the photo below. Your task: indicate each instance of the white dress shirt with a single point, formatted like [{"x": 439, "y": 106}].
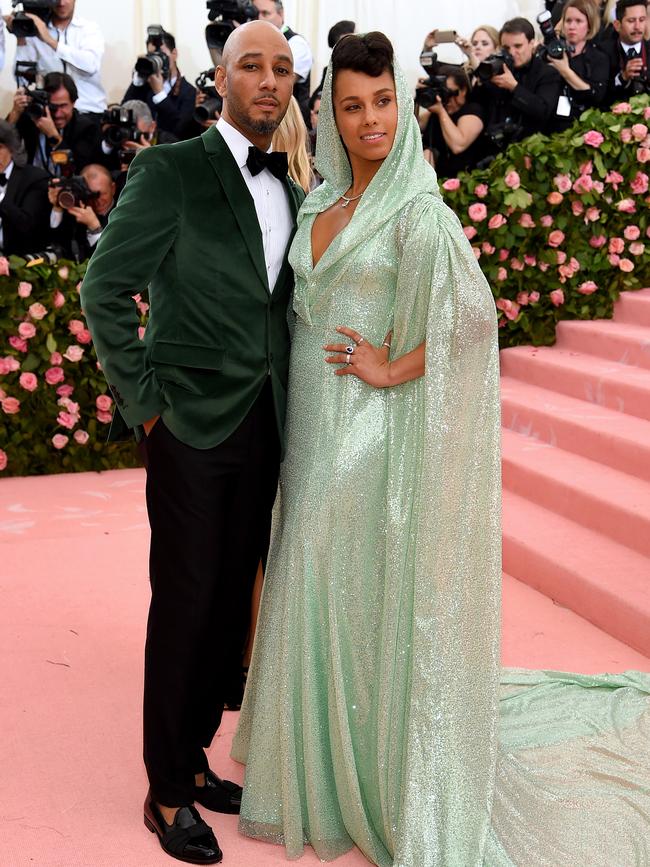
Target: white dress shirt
[
  {"x": 271, "y": 202},
  {"x": 3, "y": 190},
  {"x": 79, "y": 53},
  {"x": 2, "y": 42},
  {"x": 302, "y": 57}
]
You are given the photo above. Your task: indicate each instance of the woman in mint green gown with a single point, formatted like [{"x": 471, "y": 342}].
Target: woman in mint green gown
[{"x": 376, "y": 713}]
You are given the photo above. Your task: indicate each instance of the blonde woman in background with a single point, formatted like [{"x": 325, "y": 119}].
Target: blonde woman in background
[
  {"x": 292, "y": 136},
  {"x": 483, "y": 42}
]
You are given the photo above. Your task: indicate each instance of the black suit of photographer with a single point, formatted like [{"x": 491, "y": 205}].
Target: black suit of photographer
[
  {"x": 447, "y": 163},
  {"x": 173, "y": 113},
  {"x": 617, "y": 53},
  {"x": 72, "y": 236},
  {"x": 80, "y": 135},
  {"x": 531, "y": 105},
  {"x": 592, "y": 66},
  {"x": 25, "y": 211}
]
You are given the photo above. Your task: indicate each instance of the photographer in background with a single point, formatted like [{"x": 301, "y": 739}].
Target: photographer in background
[
  {"x": 23, "y": 198},
  {"x": 70, "y": 44},
  {"x": 518, "y": 92},
  {"x": 583, "y": 66},
  {"x": 80, "y": 209},
  {"x": 452, "y": 125},
  {"x": 629, "y": 54},
  {"x": 338, "y": 30},
  {"x": 483, "y": 42},
  {"x": 56, "y": 126},
  {"x": 135, "y": 131},
  {"x": 169, "y": 96}
]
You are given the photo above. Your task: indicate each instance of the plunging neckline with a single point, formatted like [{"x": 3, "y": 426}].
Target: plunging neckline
[{"x": 335, "y": 238}]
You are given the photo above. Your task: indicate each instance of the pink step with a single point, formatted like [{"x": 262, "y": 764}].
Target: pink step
[
  {"x": 591, "y": 494},
  {"x": 597, "y": 578},
  {"x": 586, "y": 377},
  {"x": 603, "y": 435},
  {"x": 633, "y": 307},
  {"x": 538, "y": 633},
  {"x": 617, "y": 341}
]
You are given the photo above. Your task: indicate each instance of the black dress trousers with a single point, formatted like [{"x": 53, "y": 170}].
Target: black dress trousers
[{"x": 210, "y": 515}]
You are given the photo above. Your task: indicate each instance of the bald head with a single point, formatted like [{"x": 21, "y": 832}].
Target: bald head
[{"x": 255, "y": 80}]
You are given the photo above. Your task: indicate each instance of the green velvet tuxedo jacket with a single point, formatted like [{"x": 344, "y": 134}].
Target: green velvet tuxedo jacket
[{"x": 186, "y": 228}]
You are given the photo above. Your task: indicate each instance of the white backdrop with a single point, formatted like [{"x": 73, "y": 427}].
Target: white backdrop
[{"x": 124, "y": 22}]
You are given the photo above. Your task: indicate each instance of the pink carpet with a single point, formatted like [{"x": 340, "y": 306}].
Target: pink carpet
[{"x": 74, "y": 591}]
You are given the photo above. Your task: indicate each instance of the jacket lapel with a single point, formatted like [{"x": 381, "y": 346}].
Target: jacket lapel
[
  {"x": 239, "y": 197},
  {"x": 294, "y": 205}
]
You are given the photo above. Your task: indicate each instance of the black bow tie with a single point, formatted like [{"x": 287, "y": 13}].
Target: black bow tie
[
  {"x": 276, "y": 162},
  {"x": 3, "y": 179}
]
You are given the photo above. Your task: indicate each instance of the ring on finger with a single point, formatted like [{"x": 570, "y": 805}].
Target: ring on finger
[
  {"x": 349, "y": 349},
  {"x": 360, "y": 341}
]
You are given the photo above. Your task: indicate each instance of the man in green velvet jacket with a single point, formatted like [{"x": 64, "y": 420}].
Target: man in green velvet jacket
[{"x": 206, "y": 225}]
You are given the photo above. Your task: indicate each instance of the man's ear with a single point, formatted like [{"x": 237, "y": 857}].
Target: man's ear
[
  {"x": 220, "y": 80},
  {"x": 617, "y": 25}
]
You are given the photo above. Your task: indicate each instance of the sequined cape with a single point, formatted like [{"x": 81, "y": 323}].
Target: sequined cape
[{"x": 371, "y": 715}]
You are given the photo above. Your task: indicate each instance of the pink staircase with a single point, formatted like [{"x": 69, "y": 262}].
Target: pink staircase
[{"x": 576, "y": 469}]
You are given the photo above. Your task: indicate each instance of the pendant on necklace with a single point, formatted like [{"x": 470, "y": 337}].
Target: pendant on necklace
[{"x": 346, "y": 202}]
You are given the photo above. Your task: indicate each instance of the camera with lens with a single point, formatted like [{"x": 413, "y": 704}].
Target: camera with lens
[
  {"x": 503, "y": 134},
  {"x": 554, "y": 46},
  {"x": 74, "y": 192},
  {"x": 153, "y": 61},
  {"x": 38, "y": 104},
  {"x": 119, "y": 125},
  {"x": 49, "y": 256},
  {"x": 213, "y": 104},
  {"x": 223, "y": 14},
  {"x": 493, "y": 65},
  {"x": 126, "y": 156},
  {"x": 22, "y": 26},
  {"x": 436, "y": 84}
]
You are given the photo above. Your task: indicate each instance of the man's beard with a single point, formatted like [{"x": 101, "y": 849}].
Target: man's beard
[{"x": 243, "y": 118}]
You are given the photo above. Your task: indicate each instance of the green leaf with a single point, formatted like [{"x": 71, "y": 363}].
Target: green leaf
[
  {"x": 32, "y": 362},
  {"x": 51, "y": 343}
]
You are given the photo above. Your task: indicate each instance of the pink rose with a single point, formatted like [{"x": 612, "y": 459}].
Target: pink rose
[
  {"x": 104, "y": 402},
  {"x": 599, "y": 186},
  {"x": 451, "y": 184},
  {"x": 28, "y": 381},
  {"x": 557, "y": 297},
  {"x": 481, "y": 190},
  {"x": 523, "y": 298},
  {"x": 584, "y": 184},
  {"x": 487, "y": 248},
  {"x": 587, "y": 287},
  {"x": 513, "y": 180},
  {"x": 54, "y": 375},
  {"x": 503, "y": 255},
  {"x": 639, "y": 184},
  {"x": 626, "y": 265},
  {"x": 632, "y": 233},
  {"x": 27, "y": 330},
  {"x": 586, "y": 168},
  {"x": 24, "y": 289},
  {"x": 643, "y": 155},
  {"x": 546, "y": 220},
  {"x": 37, "y": 311},
  {"x": 526, "y": 221},
  {"x": 78, "y": 287},
  {"x": 593, "y": 138},
  {"x": 614, "y": 259},
  {"x": 73, "y": 353},
  {"x": 597, "y": 241},
  {"x": 497, "y": 221},
  {"x": 516, "y": 265},
  {"x": 143, "y": 307},
  {"x": 592, "y": 215},
  {"x": 64, "y": 390},
  {"x": 84, "y": 336},
  {"x": 646, "y": 112},
  {"x": 502, "y": 275},
  {"x": 67, "y": 420},
  {"x": 530, "y": 260},
  {"x": 639, "y": 131},
  {"x": 510, "y": 308},
  {"x": 58, "y": 299},
  {"x": 4, "y": 267},
  {"x": 614, "y": 178},
  {"x": 11, "y": 364},
  {"x": 81, "y": 437},
  {"x": 534, "y": 297},
  {"x": 56, "y": 358},
  {"x": 3, "y": 367},
  {"x": 60, "y": 441},
  {"x": 75, "y": 326},
  {"x": 637, "y": 248},
  {"x": 577, "y": 208},
  {"x": 64, "y": 272},
  {"x": 563, "y": 183},
  {"x": 626, "y": 206},
  {"x": 555, "y": 238},
  {"x": 3, "y": 460},
  {"x": 622, "y": 108},
  {"x": 543, "y": 266},
  {"x": 477, "y": 212},
  {"x": 104, "y": 417},
  {"x": 555, "y": 198},
  {"x": 470, "y": 232},
  {"x": 477, "y": 252},
  {"x": 10, "y": 405},
  {"x": 626, "y": 135},
  {"x": 616, "y": 245},
  {"x": 18, "y": 343}
]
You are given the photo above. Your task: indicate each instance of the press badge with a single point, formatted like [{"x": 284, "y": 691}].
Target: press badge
[{"x": 563, "y": 106}]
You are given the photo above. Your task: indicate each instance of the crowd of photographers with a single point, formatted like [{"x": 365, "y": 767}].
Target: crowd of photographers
[{"x": 64, "y": 153}]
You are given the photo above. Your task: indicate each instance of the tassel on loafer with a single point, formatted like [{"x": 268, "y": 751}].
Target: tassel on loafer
[{"x": 187, "y": 839}]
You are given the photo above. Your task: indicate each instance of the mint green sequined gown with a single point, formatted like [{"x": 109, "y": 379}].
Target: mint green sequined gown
[{"x": 376, "y": 713}]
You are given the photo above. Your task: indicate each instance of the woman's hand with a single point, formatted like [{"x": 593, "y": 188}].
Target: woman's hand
[
  {"x": 562, "y": 64},
  {"x": 369, "y": 363}
]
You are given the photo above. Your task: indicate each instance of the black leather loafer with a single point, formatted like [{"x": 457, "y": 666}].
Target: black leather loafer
[
  {"x": 219, "y": 795},
  {"x": 187, "y": 839}
]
